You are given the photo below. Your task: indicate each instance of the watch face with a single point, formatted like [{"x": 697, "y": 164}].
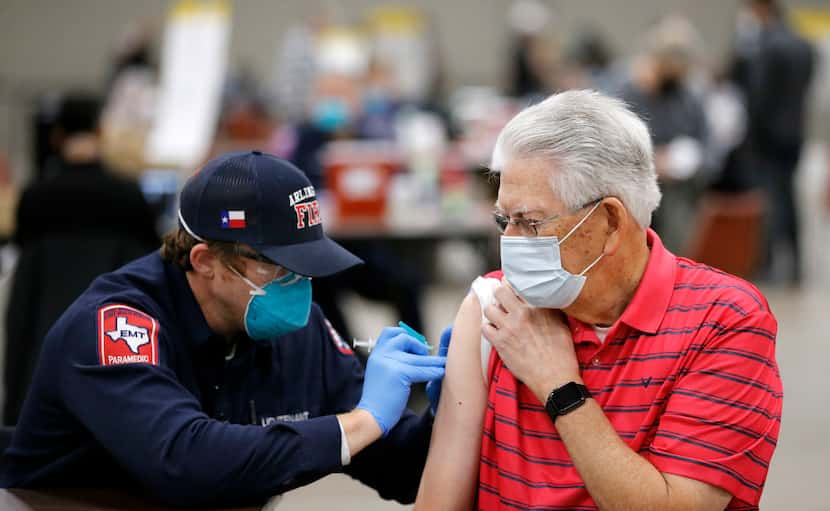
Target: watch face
[{"x": 565, "y": 399}]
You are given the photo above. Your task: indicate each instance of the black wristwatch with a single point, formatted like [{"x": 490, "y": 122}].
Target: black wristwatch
[{"x": 565, "y": 399}]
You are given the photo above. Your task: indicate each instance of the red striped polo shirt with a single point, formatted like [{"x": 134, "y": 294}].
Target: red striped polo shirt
[{"x": 687, "y": 377}]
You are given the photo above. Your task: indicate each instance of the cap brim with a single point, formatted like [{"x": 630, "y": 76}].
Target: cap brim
[{"x": 318, "y": 258}]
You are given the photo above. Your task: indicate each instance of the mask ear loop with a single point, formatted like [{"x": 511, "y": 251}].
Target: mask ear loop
[
  {"x": 583, "y": 272},
  {"x": 291, "y": 278},
  {"x": 584, "y": 218},
  {"x": 256, "y": 290}
]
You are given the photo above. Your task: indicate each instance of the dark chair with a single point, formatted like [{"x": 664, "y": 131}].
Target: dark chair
[
  {"x": 51, "y": 273},
  {"x": 728, "y": 231}
]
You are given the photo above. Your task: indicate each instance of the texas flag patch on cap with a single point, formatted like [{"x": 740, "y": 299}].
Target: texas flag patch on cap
[
  {"x": 233, "y": 219},
  {"x": 126, "y": 336}
]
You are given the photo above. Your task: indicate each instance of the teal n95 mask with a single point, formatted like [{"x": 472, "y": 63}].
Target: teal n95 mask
[
  {"x": 280, "y": 307},
  {"x": 533, "y": 267}
]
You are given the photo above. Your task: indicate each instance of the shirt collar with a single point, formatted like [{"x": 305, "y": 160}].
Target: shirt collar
[
  {"x": 582, "y": 332},
  {"x": 190, "y": 314},
  {"x": 648, "y": 306}
]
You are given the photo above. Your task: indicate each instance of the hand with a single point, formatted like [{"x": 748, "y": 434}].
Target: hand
[
  {"x": 534, "y": 343},
  {"x": 434, "y": 387},
  {"x": 397, "y": 361}
]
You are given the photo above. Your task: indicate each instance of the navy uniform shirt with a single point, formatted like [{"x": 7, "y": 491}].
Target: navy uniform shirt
[{"x": 133, "y": 389}]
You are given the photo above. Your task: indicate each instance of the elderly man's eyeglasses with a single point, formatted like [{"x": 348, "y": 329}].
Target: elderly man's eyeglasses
[{"x": 529, "y": 226}]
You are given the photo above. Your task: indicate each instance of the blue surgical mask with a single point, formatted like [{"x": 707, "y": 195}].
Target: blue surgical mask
[
  {"x": 279, "y": 308},
  {"x": 330, "y": 114},
  {"x": 533, "y": 267}
]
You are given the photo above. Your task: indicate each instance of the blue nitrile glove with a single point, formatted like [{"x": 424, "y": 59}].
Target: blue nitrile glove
[
  {"x": 397, "y": 361},
  {"x": 434, "y": 387}
]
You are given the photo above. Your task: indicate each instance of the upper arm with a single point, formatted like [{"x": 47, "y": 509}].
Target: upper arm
[
  {"x": 464, "y": 380},
  {"x": 451, "y": 472}
]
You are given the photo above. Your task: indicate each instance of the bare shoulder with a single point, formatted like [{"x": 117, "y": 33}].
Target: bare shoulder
[
  {"x": 467, "y": 326},
  {"x": 463, "y": 359}
]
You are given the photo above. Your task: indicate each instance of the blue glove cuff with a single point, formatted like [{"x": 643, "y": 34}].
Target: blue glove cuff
[{"x": 383, "y": 427}]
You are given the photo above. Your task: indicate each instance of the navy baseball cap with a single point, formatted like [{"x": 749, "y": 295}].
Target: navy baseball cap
[{"x": 254, "y": 198}]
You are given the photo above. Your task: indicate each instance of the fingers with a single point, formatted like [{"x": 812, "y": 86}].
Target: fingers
[
  {"x": 396, "y": 339},
  {"x": 408, "y": 344},
  {"x": 420, "y": 360},
  {"x": 444, "y": 346},
  {"x": 388, "y": 333},
  {"x": 495, "y": 315},
  {"x": 490, "y": 333},
  {"x": 422, "y": 374},
  {"x": 507, "y": 297}
]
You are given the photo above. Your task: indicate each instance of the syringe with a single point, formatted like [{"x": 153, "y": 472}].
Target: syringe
[{"x": 368, "y": 344}]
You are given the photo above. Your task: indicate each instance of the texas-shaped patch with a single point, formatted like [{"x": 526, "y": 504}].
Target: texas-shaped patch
[{"x": 126, "y": 336}]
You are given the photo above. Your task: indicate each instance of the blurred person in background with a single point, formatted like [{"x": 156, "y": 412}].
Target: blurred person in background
[
  {"x": 44, "y": 155},
  {"x": 337, "y": 110},
  {"x": 356, "y": 106},
  {"x": 131, "y": 99},
  {"x": 72, "y": 225},
  {"x": 589, "y": 64},
  {"x": 245, "y": 115},
  {"x": 773, "y": 66},
  {"x": 659, "y": 92},
  {"x": 202, "y": 373},
  {"x": 134, "y": 51},
  {"x": 380, "y": 103},
  {"x": 294, "y": 70},
  {"x": 726, "y": 119},
  {"x": 531, "y": 64},
  {"x": 600, "y": 370}
]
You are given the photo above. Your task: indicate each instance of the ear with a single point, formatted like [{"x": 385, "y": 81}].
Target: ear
[
  {"x": 203, "y": 260},
  {"x": 617, "y": 222}
]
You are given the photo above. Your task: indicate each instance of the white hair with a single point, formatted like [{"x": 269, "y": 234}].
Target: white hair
[{"x": 597, "y": 148}]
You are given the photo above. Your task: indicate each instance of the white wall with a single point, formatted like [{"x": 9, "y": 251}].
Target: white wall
[{"x": 53, "y": 44}]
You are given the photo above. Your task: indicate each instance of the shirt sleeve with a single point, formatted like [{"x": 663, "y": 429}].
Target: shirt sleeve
[
  {"x": 721, "y": 421},
  {"x": 345, "y": 451},
  {"x": 155, "y": 428}
]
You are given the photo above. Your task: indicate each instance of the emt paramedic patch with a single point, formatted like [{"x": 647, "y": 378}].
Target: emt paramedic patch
[{"x": 126, "y": 336}]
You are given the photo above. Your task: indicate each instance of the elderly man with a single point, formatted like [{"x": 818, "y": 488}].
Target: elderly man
[
  {"x": 204, "y": 374},
  {"x": 623, "y": 377}
]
